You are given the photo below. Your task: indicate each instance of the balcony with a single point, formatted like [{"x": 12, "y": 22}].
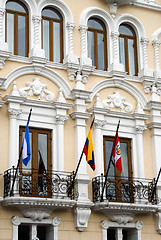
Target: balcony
[
  {"x": 32, "y": 189},
  {"x": 124, "y": 195}
]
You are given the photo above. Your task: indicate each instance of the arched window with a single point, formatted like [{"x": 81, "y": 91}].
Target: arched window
[
  {"x": 97, "y": 43},
  {"x": 128, "y": 49},
  {"x": 52, "y": 34},
  {"x": 17, "y": 24}
]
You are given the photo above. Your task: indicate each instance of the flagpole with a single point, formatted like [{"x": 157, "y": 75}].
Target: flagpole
[
  {"x": 19, "y": 159},
  {"x": 76, "y": 171},
  {"x": 109, "y": 164}
]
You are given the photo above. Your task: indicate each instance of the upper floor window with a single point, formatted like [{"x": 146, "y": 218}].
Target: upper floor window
[
  {"x": 17, "y": 28},
  {"x": 128, "y": 49},
  {"x": 119, "y": 187},
  {"x": 52, "y": 34},
  {"x": 97, "y": 43}
]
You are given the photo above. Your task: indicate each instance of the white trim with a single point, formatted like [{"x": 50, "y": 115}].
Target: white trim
[{"x": 39, "y": 70}]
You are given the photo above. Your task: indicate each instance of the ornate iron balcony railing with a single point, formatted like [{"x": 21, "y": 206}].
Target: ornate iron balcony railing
[
  {"x": 30, "y": 183},
  {"x": 124, "y": 190}
]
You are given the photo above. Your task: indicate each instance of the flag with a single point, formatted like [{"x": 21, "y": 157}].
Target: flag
[
  {"x": 42, "y": 168},
  {"x": 88, "y": 150},
  {"x": 116, "y": 153},
  {"x": 26, "y": 156}
]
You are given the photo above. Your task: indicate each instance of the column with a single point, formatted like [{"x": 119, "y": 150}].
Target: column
[
  {"x": 16, "y": 221},
  {"x": 105, "y": 226},
  {"x": 144, "y": 42},
  {"x": 56, "y": 222},
  {"x": 3, "y": 45},
  {"x": 84, "y": 53},
  {"x": 140, "y": 152},
  {"x": 116, "y": 65},
  {"x": 60, "y": 120},
  {"x": 70, "y": 28},
  {"x": 13, "y": 137},
  {"x": 156, "y": 43},
  {"x": 37, "y": 51},
  {"x": 119, "y": 235},
  {"x": 33, "y": 232}
]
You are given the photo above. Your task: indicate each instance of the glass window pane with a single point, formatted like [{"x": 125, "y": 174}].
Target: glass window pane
[
  {"x": 51, "y": 13},
  {"x": 108, "y": 149},
  {"x": 122, "y": 51},
  {"x": 100, "y": 41},
  {"x": 10, "y": 32},
  {"x": 46, "y": 38},
  {"x": 15, "y": 6},
  {"x": 21, "y": 36},
  {"x": 95, "y": 23},
  {"x": 29, "y": 165},
  {"x": 42, "y": 148},
  {"x": 91, "y": 46},
  {"x": 56, "y": 41},
  {"x": 124, "y": 159},
  {"x": 125, "y": 30},
  {"x": 131, "y": 53},
  {"x": 111, "y": 234}
]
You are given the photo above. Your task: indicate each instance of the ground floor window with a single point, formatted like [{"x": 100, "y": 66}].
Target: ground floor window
[{"x": 121, "y": 231}]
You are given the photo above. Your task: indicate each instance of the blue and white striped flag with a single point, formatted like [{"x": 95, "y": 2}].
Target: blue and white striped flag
[{"x": 26, "y": 156}]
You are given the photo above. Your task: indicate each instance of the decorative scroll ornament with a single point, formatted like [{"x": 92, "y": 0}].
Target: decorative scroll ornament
[
  {"x": 117, "y": 101},
  {"x": 36, "y": 88}
]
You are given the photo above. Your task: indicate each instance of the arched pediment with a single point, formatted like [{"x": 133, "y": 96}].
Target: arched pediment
[
  {"x": 48, "y": 73},
  {"x": 98, "y": 12},
  {"x": 128, "y": 87}
]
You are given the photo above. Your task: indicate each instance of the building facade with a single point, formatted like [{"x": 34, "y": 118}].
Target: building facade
[{"x": 72, "y": 61}]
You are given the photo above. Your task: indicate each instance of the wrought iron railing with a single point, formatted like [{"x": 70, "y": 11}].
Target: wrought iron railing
[
  {"x": 124, "y": 190},
  {"x": 29, "y": 182}
]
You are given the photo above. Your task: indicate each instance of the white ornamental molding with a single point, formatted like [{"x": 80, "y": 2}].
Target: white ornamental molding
[
  {"x": 82, "y": 215},
  {"x": 121, "y": 218},
  {"x": 117, "y": 101},
  {"x": 36, "y": 214},
  {"x": 36, "y": 88}
]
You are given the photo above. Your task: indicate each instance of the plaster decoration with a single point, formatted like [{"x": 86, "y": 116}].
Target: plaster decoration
[
  {"x": 61, "y": 96},
  {"x": 141, "y": 129},
  {"x": 98, "y": 102},
  {"x": 60, "y": 119},
  {"x": 139, "y": 225},
  {"x": 14, "y": 113},
  {"x": 15, "y": 92},
  {"x": 16, "y": 220},
  {"x": 117, "y": 101},
  {"x": 99, "y": 123},
  {"x": 104, "y": 224},
  {"x": 36, "y": 88},
  {"x": 4, "y": 55},
  {"x": 56, "y": 221},
  {"x": 36, "y": 213},
  {"x": 139, "y": 108},
  {"x": 121, "y": 218},
  {"x": 82, "y": 215},
  {"x": 2, "y": 81},
  {"x": 113, "y": 9}
]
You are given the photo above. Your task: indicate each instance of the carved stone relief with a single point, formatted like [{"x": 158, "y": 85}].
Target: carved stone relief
[
  {"x": 36, "y": 88},
  {"x": 117, "y": 101}
]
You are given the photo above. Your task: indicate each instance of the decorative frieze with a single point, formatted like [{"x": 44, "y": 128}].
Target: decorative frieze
[
  {"x": 117, "y": 101},
  {"x": 36, "y": 88}
]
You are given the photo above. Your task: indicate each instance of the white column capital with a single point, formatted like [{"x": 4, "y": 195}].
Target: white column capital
[
  {"x": 61, "y": 119},
  {"x": 56, "y": 221},
  {"x": 36, "y": 19},
  {"x": 14, "y": 113},
  {"x": 70, "y": 26},
  {"x": 144, "y": 40},
  {"x": 16, "y": 221},
  {"x": 140, "y": 129}
]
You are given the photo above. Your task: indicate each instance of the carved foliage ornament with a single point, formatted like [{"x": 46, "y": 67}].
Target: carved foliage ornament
[
  {"x": 36, "y": 88},
  {"x": 117, "y": 101}
]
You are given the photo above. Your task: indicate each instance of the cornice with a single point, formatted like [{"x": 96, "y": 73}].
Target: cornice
[
  {"x": 153, "y": 105},
  {"x": 23, "y": 203},
  {"x": 120, "y": 208},
  {"x": 81, "y": 94}
]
